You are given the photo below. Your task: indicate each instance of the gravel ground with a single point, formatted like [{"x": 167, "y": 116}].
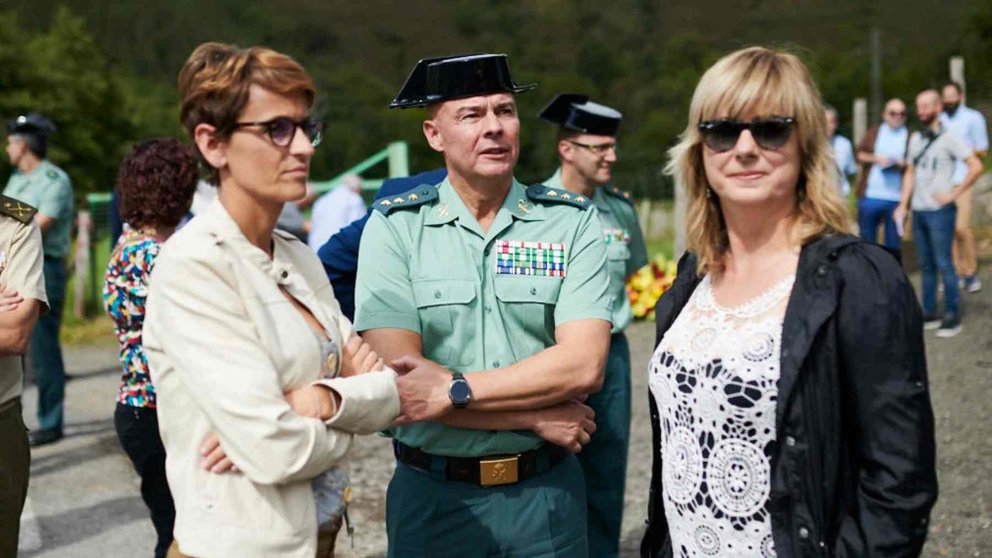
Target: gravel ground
[{"x": 84, "y": 499}]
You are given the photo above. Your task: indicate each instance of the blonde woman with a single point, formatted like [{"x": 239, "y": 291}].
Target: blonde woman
[
  {"x": 242, "y": 325},
  {"x": 789, "y": 398}
]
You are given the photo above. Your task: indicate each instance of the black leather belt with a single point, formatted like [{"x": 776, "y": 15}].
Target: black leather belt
[{"x": 492, "y": 470}]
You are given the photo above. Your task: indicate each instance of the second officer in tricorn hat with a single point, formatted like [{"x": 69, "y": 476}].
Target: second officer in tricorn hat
[
  {"x": 587, "y": 149},
  {"x": 501, "y": 291}
]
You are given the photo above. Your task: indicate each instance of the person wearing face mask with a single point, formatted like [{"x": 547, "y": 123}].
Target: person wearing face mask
[
  {"x": 882, "y": 154},
  {"x": 261, "y": 384},
  {"x": 587, "y": 150},
  {"x": 970, "y": 127},
  {"x": 843, "y": 152},
  {"x": 500, "y": 294},
  {"x": 788, "y": 388},
  {"x": 929, "y": 187}
]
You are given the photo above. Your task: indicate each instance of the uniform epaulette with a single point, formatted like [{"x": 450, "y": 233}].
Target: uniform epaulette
[
  {"x": 411, "y": 198},
  {"x": 618, "y": 193},
  {"x": 16, "y": 209},
  {"x": 541, "y": 193}
]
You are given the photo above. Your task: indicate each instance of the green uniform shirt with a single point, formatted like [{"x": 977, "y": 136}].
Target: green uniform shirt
[
  {"x": 625, "y": 250},
  {"x": 48, "y": 189},
  {"x": 479, "y": 300}
]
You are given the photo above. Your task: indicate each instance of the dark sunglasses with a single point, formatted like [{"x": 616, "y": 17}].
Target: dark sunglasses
[
  {"x": 282, "y": 130},
  {"x": 769, "y": 133}
]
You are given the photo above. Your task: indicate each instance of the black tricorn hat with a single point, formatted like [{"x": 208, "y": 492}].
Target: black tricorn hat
[
  {"x": 452, "y": 77},
  {"x": 576, "y": 112},
  {"x": 31, "y": 123}
]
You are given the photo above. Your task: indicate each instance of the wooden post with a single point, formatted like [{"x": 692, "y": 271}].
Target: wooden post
[
  {"x": 956, "y": 70},
  {"x": 860, "y": 119},
  {"x": 84, "y": 223}
]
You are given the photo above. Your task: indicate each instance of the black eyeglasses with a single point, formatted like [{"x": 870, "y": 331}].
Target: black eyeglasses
[
  {"x": 769, "y": 133},
  {"x": 282, "y": 130},
  {"x": 598, "y": 149}
]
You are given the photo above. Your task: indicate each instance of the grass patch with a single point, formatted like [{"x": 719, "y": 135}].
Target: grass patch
[{"x": 95, "y": 326}]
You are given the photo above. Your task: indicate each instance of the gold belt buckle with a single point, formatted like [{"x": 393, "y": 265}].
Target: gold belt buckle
[{"x": 494, "y": 472}]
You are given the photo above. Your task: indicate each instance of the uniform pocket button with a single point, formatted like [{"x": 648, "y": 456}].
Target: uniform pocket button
[
  {"x": 790, "y": 441},
  {"x": 803, "y": 533},
  {"x": 821, "y": 271},
  {"x": 437, "y": 294},
  {"x": 495, "y": 364},
  {"x": 533, "y": 290}
]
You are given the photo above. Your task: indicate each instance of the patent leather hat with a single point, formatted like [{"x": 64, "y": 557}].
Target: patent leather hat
[
  {"x": 576, "y": 112},
  {"x": 453, "y": 77},
  {"x": 31, "y": 123}
]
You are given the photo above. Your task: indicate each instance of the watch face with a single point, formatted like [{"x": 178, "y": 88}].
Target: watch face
[{"x": 460, "y": 392}]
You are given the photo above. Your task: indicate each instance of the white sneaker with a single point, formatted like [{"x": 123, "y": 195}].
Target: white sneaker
[
  {"x": 949, "y": 328},
  {"x": 973, "y": 284},
  {"x": 931, "y": 322}
]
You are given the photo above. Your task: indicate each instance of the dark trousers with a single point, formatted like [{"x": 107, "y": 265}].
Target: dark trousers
[
  {"x": 604, "y": 459},
  {"x": 137, "y": 430},
  {"x": 933, "y": 234},
  {"x": 15, "y": 463},
  {"x": 45, "y": 351},
  {"x": 871, "y": 214}
]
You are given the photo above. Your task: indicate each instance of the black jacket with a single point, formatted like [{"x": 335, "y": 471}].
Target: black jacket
[{"x": 852, "y": 469}]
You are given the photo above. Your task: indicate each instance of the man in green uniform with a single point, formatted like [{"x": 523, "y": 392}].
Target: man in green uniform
[
  {"x": 22, "y": 298},
  {"x": 587, "y": 141},
  {"x": 497, "y": 293},
  {"x": 39, "y": 183}
]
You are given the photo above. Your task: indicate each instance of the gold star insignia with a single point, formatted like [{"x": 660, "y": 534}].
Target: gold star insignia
[
  {"x": 580, "y": 199},
  {"x": 552, "y": 194},
  {"x": 565, "y": 196},
  {"x": 398, "y": 200},
  {"x": 412, "y": 197},
  {"x": 385, "y": 203},
  {"x": 626, "y": 195}
]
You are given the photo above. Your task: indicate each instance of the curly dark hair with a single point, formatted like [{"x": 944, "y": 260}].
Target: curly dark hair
[{"x": 156, "y": 182}]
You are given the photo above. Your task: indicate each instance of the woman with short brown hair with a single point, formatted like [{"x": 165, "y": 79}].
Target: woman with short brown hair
[
  {"x": 789, "y": 398},
  {"x": 243, "y": 331}
]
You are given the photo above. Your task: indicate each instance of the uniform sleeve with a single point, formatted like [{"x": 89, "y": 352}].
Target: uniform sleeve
[
  {"x": 585, "y": 289},
  {"x": 198, "y": 321},
  {"x": 886, "y": 405},
  {"x": 383, "y": 290},
  {"x": 24, "y": 264},
  {"x": 638, "y": 249},
  {"x": 55, "y": 198}
]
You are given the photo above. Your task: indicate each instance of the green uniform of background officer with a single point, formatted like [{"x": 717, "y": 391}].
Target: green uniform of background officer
[
  {"x": 505, "y": 284},
  {"x": 22, "y": 298},
  {"x": 587, "y": 150},
  {"x": 39, "y": 183}
]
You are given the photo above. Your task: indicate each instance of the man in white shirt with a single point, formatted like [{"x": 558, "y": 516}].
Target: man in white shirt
[
  {"x": 969, "y": 126},
  {"x": 336, "y": 210},
  {"x": 843, "y": 152}
]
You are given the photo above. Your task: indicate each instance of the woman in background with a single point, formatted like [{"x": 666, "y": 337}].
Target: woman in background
[
  {"x": 789, "y": 399},
  {"x": 154, "y": 188}
]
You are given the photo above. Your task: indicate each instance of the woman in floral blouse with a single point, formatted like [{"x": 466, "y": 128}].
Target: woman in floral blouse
[{"x": 155, "y": 187}]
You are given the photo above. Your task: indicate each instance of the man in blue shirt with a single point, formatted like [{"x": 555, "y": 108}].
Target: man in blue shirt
[
  {"x": 883, "y": 151},
  {"x": 843, "y": 152},
  {"x": 969, "y": 126},
  {"x": 340, "y": 254}
]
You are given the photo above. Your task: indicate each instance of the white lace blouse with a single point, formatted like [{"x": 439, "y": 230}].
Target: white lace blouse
[{"x": 714, "y": 378}]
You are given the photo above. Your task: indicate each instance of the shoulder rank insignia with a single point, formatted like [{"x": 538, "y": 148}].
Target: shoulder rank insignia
[
  {"x": 618, "y": 193},
  {"x": 541, "y": 193},
  {"x": 18, "y": 210},
  {"x": 411, "y": 198},
  {"x": 52, "y": 174}
]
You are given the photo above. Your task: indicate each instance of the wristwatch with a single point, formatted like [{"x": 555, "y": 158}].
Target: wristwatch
[{"x": 459, "y": 391}]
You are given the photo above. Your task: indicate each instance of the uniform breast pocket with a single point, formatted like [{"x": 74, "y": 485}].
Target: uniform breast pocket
[
  {"x": 447, "y": 320},
  {"x": 530, "y": 303}
]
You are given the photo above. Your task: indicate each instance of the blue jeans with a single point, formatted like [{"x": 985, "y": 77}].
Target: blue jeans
[
  {"x": 873, "y": 212},
  {"x": 933, "y": 234},
  {"x": 46, "y": 352}
]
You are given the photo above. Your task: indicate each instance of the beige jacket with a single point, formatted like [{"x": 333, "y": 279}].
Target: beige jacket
[{"x": 223, "y": 344}]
